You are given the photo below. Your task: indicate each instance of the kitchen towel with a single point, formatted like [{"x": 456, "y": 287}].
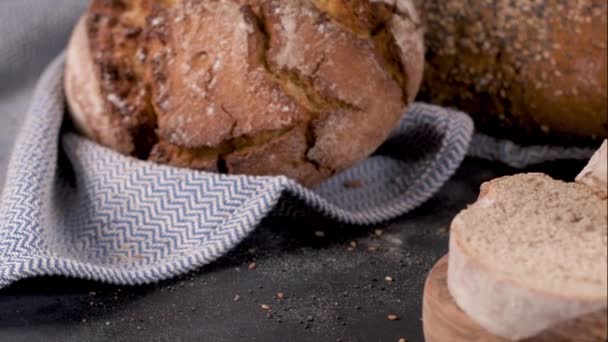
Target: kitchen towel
[{"x": 70, "y": 207}]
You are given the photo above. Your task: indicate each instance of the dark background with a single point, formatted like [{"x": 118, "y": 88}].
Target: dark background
[{"x": 331, "y": 293}]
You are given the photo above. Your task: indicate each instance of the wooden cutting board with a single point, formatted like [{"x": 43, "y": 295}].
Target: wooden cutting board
[{"x": 443, "y": 321}]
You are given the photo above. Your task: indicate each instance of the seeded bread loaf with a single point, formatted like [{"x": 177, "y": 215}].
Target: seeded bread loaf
[
  {"x": 529, "y": 254},
  {"x": 302, "y": 88},
  {"x": 531, "y": 71}
]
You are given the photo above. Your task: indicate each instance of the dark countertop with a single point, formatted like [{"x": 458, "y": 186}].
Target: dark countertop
[{"x": 331, "y": 293}]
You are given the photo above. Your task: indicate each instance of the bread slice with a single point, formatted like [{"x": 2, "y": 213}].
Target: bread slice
[
  {"x": 530, "y": 253},
  {"x": 595, "y": 174}
]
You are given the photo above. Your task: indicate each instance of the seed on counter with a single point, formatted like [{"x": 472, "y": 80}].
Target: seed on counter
[
  {"x": 265, "y": 307},
  {"x": 392, "y": 317},
  {"x": 545, "y": 128},
  {"x": 378, "y": 232},
  {"x": 236, "y": 298},
  {"x": 372, "y": 248},
  {"x": 353, "y": 184},
  {"x": 280, "y": 295},
  {"x": 252, "y": 266},
  {"x": 389, "y": 279},
  {"x": 319, "y": 233},
  {"x": 353, "y": 244},
  {"x": 402, "y": 340}
]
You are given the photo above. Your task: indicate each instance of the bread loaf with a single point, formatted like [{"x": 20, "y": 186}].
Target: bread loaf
[
  {"x": 530, "y": 71},
  {"x": 529, "y": 254},
  {"x": 302, "y": 88}
]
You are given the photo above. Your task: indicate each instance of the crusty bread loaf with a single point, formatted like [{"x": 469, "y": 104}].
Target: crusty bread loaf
[
  {"x": 302, "y": 88},
  {"x": 531, "y": 71},
  {"x": 530, "y": 253}
]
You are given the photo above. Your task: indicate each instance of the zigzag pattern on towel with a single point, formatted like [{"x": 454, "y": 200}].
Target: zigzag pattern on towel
[
  {"x": 135, "y": 212},
  {"x": 505, "y": 151},
  {"x": 127, "y": 221}
]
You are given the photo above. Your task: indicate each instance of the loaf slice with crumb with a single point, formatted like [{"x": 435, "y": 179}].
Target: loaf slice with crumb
[
  {"x": 530, "y": 253},
  {"x": 595, "y": 174}
]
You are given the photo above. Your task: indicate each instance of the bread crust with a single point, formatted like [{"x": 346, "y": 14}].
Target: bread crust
[
  {"x": 534, "y": 72},
  {"x": 84, "y": 96},
  {"x": 443, "y": 320},
  {"x": 502, "y": 305},
  {"x": 301, "y": 88}
]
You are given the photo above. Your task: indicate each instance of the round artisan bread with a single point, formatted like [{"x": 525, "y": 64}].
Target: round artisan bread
[
  {"x": 531, "y": 71},
  {"x": 301, "y": 88},
  {"x": 529, "y": 254}
]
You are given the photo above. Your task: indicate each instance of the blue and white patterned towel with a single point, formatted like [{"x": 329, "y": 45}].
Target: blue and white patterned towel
[{"x": 70, "y": 207}]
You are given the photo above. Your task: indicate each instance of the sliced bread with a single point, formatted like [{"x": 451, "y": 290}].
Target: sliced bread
[
  {"x": 530, "y": 253},
  {"x": 595, "y": 174}
]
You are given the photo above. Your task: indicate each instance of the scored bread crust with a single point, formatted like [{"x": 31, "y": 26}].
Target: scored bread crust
[
  {"x": 84, "y": 96},
  {"x": 499, "y": 304},
  {"x": 303, "y": 88}
]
